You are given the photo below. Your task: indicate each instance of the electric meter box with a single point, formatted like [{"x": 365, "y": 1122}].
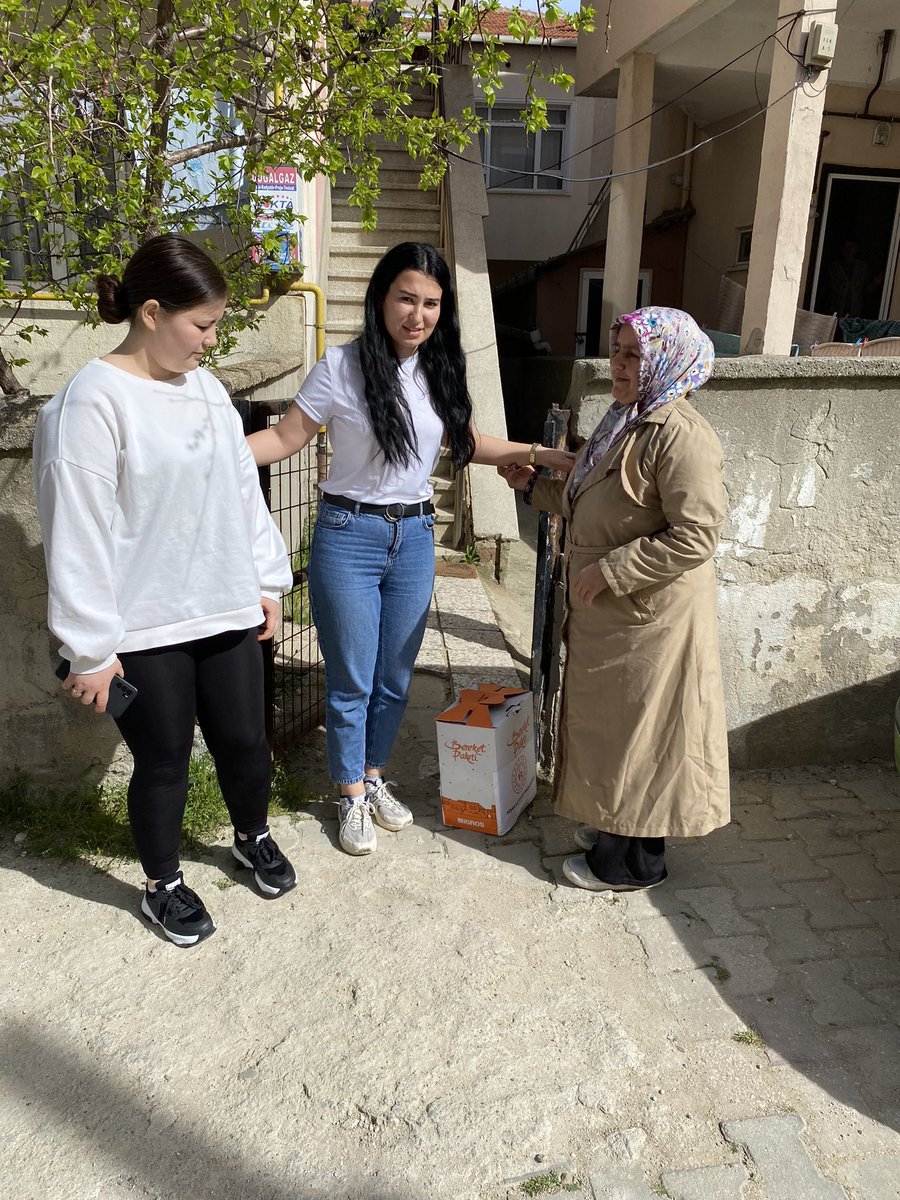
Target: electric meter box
[{"x": 820, "y": 44}]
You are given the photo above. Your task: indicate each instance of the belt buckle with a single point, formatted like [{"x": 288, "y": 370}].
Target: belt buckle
[{"x": 388, "y": 514}]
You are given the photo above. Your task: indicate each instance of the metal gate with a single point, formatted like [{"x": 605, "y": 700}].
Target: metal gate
[
  {"x": 295, "y": 678},
  {"x": 547, "y": 650}
]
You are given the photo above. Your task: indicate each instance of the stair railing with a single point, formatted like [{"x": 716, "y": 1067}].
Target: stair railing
[{"x": 591, "y": 215}]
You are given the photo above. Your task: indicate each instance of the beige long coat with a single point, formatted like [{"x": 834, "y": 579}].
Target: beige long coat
[{"x": 642, "y": 746}]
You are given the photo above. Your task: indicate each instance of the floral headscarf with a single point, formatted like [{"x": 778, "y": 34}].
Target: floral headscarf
[
  {"x": 676, "y": 355},
  {"x": 676, "y": 358}
]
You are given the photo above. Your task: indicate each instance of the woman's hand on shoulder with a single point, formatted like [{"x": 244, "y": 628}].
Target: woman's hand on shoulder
[
  {"x": 272, "y": 613},
  {"x": 93, "y": 688},
  {"x": 555, "y": 460},
  {"x": 517, "y": 477},
  {"x": 588, "y": 584}
]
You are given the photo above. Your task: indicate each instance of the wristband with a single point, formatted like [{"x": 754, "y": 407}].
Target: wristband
[
  {"x": 532, "y": 454},
  {"x": 528, "y": 490}
]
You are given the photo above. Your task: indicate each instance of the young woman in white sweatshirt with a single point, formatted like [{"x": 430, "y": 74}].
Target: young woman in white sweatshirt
[{"x": 165, "y": 567}]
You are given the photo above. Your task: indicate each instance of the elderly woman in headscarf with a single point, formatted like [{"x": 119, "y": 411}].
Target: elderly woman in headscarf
[{"x": 642, "y": 750}]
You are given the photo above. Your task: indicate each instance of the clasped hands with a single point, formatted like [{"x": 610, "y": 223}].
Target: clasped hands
[{"x": 517, "y": 475}]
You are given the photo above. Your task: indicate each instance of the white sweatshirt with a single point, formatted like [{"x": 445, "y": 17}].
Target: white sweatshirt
[{"x": 155, "y": 528}]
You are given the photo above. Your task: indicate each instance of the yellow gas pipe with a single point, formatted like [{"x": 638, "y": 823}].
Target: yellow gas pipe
[{"x": 299, "y": 286}]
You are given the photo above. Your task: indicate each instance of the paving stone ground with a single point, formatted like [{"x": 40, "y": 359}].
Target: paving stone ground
[{"x": 448, "y": 1019}]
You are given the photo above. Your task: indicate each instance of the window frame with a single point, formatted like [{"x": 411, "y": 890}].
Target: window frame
[
  {"x": 744, "y": 246},
  {"x": 486, "y": 112}
]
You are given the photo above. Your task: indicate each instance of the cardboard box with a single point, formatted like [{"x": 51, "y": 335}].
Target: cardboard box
[{"x": 486, "y": 755}]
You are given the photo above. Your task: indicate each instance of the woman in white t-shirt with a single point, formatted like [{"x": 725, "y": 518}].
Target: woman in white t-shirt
[
  {"x": 165, "y": 567},
  {"x": 390, "y": 400}
]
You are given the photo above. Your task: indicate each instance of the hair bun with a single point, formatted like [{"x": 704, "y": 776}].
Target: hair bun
[{"x": 112, "y": 301}]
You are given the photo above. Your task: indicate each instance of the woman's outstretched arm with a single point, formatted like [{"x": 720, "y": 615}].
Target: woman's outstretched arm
[
  {"x": 295, "y": 430},
  {"x": 498, "y": 452}
]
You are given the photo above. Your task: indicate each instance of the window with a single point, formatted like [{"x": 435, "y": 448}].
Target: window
[
  {"x": 745, "y": 239},
  {"x": 591, "y": 336},
  {"x": 513, "y": 157},
  {"x": 47, "y": 250},
  {"x": 21, "y": 244}
]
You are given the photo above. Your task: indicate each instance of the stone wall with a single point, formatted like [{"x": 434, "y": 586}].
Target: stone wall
[
  {"x": 809, "y": 562},
  {"x": 43, "y": 735}
]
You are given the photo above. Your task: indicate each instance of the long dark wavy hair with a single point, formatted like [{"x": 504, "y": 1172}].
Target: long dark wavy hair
[{"x": 441, "y": 358}]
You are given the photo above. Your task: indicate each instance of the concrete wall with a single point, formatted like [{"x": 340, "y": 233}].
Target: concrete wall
[
  {"x": 492, "y": 503},
  {"x": 723, "y": 192},
  {"x": 52, "y": 742},
  {"x": 42, "y": 733},
  {"x": 70, "y": 342},
  {"x": 668, "y": 135},
  {"x": 809, "y": 563}
]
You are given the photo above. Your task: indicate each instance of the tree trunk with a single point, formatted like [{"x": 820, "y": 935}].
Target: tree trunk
[
  {"x": 9, "y": 384},
  {"x": 159, "y": 126}
]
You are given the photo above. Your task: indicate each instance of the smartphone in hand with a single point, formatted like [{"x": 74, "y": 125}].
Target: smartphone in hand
[{"x": 121, "y": 692}]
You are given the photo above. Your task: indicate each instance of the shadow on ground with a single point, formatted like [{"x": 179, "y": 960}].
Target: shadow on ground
[
  {"x": 782, "y": 932},
  {"x": 161, "y": 1152}
]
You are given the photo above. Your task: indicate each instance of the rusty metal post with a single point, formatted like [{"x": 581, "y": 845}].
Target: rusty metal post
[{"x": 544, "y": 626}]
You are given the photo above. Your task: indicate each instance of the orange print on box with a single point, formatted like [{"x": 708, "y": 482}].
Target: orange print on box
[{"x": 486, "y": 755}]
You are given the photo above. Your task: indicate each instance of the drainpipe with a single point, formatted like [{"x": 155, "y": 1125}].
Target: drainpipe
[{"x": 886, "y": 40}]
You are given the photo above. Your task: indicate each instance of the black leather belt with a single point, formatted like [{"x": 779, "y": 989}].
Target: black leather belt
[{"x": 390, "y": 512}]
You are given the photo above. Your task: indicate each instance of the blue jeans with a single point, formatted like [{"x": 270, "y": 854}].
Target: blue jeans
[{"x": 370, "y": 585}]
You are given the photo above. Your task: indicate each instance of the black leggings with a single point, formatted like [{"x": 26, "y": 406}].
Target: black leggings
[{"x": 219, "y": 680}]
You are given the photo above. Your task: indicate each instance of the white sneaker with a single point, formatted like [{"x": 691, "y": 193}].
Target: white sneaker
[
  {"x": 576, "y": 870},
  {"x": 357, "y": 833},
  {"x": 387, "y": 810},
  {"x": 586, "y": 837}
]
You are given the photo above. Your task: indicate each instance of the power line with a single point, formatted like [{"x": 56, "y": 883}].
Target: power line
[
  {"x": 789, "y": 19},
  {"x": 662, "y": 162}
]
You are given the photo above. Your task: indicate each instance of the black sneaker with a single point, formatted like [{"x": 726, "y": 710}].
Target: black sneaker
[
  {"x": 178, "y": 911},
  {"x": 271, "y": 870}
]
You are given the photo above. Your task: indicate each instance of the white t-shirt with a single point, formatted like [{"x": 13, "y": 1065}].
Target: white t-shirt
[
  {"x": 333, "y": 394},
  {"x": 155, "y": 528}
]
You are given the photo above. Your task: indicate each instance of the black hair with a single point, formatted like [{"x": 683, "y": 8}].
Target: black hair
[
  {"x": 440, "y": 356},
  {"x": 169, "y": 269}
]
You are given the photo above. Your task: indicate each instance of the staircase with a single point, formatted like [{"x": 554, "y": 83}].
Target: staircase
[{"x": 405, "y": 213}]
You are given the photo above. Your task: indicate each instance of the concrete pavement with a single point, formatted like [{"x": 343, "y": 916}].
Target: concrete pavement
[{"x": 448, "y": 1019}]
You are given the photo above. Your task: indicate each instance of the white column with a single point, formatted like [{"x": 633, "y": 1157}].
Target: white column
[
  {"x": 786, "y": 177},
  {"x": 628, "y": 193}
]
